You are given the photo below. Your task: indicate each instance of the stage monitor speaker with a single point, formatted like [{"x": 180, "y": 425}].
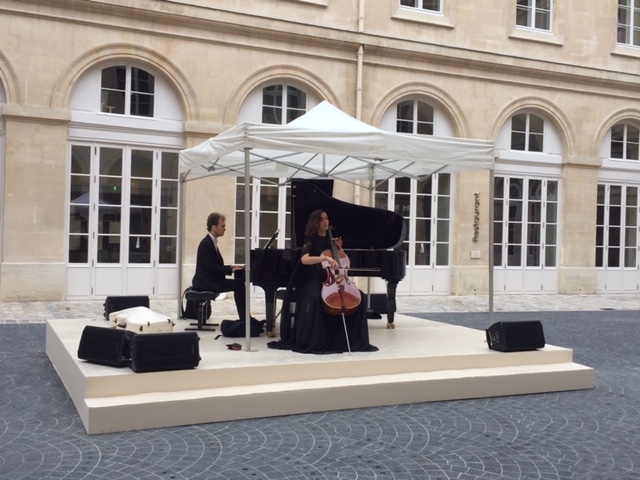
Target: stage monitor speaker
[
  {"x": 515, "y": 336},
  {"x": 164, "y": 351},
  {"x": 106, "y": 346}
]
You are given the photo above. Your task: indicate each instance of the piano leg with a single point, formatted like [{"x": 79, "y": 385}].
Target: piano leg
[
  {"x": 270, "y": 311},
  {"x": 391, "y": 303}
]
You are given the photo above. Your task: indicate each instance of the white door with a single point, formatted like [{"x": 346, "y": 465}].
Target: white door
[
  {"x": 525, "y": 235},
  {"x": 123, "y": 215},
  {"x": 617, "y": 232},
  {"x": 270, "y": 214},
  {"x": 426, "y": 206}
]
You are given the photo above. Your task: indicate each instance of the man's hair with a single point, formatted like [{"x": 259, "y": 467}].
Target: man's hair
[{"x": 213, "y": 219}]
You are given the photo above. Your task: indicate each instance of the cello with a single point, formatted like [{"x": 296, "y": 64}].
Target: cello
[{"x": 340, "y": 296}]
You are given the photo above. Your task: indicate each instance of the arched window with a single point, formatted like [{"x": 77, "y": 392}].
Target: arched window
[
  {"x": 124, "y": 135},
  {"x": 127, "y": 91},
  {"x": 526, "y": 203},
  {"x": 425, "y": 204},
  {"x": 276, "y": 104},
  {"x": 625, "y": 139},
  {"x": 415, "y": 116},
  {"x": 527, "y": 133},
  {"x": 618, "y": 213},
  {"x": 282, "y": 103}
]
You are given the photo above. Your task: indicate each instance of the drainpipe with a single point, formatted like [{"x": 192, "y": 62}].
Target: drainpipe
[
  {"x": 360, "y": 62},
  {"x": 359, "y": 82}
]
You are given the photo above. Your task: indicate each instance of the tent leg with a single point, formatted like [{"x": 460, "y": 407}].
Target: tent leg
[
  {"x": 247, "y": 247},
  {"x": 491, "y": 239},
  {"x": 180, "y": 245}
]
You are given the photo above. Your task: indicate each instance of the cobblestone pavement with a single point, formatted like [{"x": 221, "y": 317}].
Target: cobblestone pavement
[
  {"x": 39, "y": 312},
  {"x": 590, "y": 434}
]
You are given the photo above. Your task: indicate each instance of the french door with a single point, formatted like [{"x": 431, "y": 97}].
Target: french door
[
  {"x": 270, "y": 213},
  {"x": 426, "y": 206},
  {"x": 525, "y": 230},
  {"x": 123, "y": 220},
  {"x": 617, "y": 229}
]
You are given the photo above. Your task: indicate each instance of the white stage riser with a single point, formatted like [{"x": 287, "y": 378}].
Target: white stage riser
[
  {"x": 419, "y": 361},
  {"x": 197, "y": 379},
  {"x": 188, "y": 408}
]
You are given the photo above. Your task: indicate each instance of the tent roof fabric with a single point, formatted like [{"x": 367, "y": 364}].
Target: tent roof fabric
[{"x": 327, "y": 142}]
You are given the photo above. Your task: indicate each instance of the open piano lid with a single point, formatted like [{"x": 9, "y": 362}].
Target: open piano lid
[{"x": 361, "y": 227}]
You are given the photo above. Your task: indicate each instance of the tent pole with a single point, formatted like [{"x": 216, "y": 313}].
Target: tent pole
[
  {"x": 247, "y": 246},
  {"x": 491, "y": 239},
  {"x": 371, "y": 204},
  {"x": 181, "y": 194}
]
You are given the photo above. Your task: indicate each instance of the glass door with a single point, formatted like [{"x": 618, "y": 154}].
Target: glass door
[
  {"x": 525, "y": 230},
  {"x": 617, "y": 245},
  {"x": 122, "y": 232},
  {"x": 426, "y": 206}
]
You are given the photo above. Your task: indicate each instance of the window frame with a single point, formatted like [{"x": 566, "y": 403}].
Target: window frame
[
  {"x": 559, "y": 11},
  {"x": 625, "y": 142},
  {"x": 420, "y": 6},
  {"x": 129, "y": 92},
  {"x": 163, "y": 212},
  {"x": 631, "y": 31},
  {"x": 414, "y": 122},
  {"x": 528, "y": 133},
  {"x": 428, "y": 213},
  {"x": 533, "y": 12},
  {"x": 285, "y": 108},
  {"x": 445, "y": 17},
  {"x": 623, "y": 255},
  {"x": 260, "y": 188},
  {"x": 525, "y": 237}
]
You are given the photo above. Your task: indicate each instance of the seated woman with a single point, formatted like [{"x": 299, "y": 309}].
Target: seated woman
[{"x": 305, "y": 327}]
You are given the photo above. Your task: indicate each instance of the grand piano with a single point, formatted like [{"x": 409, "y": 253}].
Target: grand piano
[{"x": 372, "y": 237}]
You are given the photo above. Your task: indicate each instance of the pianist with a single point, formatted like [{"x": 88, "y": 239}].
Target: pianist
[
  {"x": 211, "y": 272},
  {"x": 305, "y": 327}
]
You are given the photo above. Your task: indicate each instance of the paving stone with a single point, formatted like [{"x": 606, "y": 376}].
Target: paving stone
[{"x": 582, "y": 435}]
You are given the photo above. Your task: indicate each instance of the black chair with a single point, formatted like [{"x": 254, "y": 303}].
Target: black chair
[{"x": 202, "y": 299}]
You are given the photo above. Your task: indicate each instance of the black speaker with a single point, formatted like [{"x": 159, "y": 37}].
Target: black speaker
[
  {"x": 515, "y": 336},
  {"x": 106, "y": 346},
  {"x": 152, "y": 352}
]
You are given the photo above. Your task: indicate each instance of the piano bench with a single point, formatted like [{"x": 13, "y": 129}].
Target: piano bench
[{"x": 202, "y": 298}]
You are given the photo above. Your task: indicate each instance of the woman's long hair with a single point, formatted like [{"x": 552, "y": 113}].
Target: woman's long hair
[{"x": 313, "y": 225}]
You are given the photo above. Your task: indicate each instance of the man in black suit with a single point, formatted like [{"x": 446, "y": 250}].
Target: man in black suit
[{"x": 211, "y": 272}]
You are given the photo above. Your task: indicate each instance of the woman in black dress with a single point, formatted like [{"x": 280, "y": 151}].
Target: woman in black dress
[{"x": 305, "y": 327}]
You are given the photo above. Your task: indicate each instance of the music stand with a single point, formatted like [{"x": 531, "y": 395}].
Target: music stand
[{"x": 271, "y": 240}]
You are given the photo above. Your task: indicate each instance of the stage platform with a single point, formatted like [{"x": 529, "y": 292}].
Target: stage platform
[{"x": 418, "y": 361}]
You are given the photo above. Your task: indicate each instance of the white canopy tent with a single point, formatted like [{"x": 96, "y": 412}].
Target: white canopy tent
[{"x": 325, "y": 143}]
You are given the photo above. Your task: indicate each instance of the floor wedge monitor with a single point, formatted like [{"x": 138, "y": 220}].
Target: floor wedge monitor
[
  {"x": 104, "y": 345},
  {"x": 164, "y": 351},
  {"x": 515, "y": 336}
]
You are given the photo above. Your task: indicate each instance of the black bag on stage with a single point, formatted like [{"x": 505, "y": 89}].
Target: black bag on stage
[{"x": 236, "y": 328}]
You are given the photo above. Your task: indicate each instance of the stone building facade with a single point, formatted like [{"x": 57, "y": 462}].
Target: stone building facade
[{"x": 98, "y": 96}]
